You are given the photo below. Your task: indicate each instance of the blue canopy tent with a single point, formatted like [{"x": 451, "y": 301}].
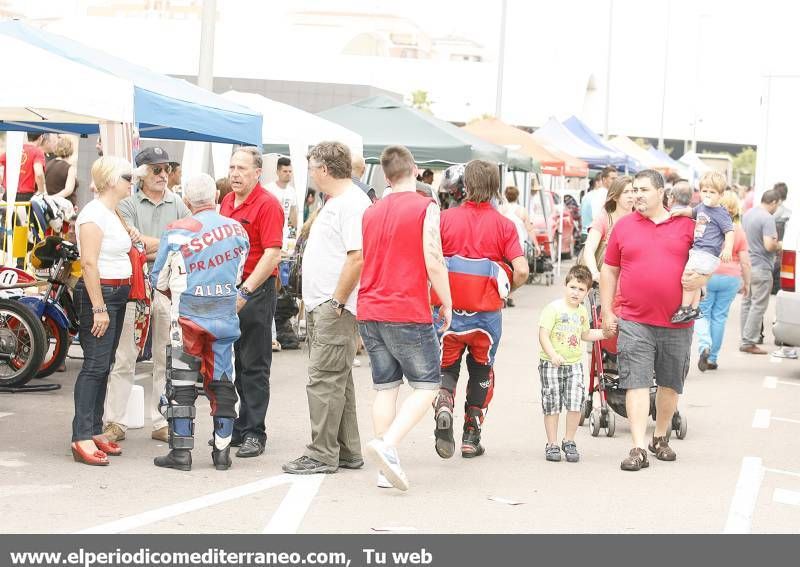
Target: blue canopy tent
[
  {"x": 555, "y": 133},
  {"x": 163, "y": 107},
  {"x": 664, "y": 157},
  {"x": 616, "y": 158}
]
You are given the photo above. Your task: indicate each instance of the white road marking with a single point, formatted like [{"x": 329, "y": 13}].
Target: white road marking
[
  {"x": 779, "y": 471},
  {"x": 772, "y": 382},
  {"x": 12, "y": 460},
  {"x": 791, "y": 497},
  {"x": 740, "y": 515},
  {"x": 4, "y": 414},
  {"x": 31, "y": 489},
  {"x": 289, "y": 515},
  {"x": 761, "y": 419},
  {"x": 786, "y": 420},
  {"x": 145, "y": 518}
]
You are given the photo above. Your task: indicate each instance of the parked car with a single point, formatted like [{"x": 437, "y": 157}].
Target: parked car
[
  {"x": 547, "y": 205},
  {"x": 786, "y": 327}
]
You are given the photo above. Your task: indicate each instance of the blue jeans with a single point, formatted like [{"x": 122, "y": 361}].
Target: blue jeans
[
  {"x": 402, "y": 349},
  {"x": 720, "y": 293},
  {"x": 98, "y": 356}
]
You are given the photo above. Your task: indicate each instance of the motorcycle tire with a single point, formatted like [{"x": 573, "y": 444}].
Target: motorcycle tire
[
  {"x": 22, "y": 343},
  {"x": 58, "y": 342}
]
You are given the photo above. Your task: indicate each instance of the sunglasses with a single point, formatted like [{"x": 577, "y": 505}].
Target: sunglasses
[
  {"x": 127, "y": 177},
  {"x": 157, "y": 169}
]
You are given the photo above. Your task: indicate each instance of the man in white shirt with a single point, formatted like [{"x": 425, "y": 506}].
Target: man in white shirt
[
  {"x": 598, "y": 197},
  {"x": 285, "y": 193},
  {"x": 331, "y": 267}
]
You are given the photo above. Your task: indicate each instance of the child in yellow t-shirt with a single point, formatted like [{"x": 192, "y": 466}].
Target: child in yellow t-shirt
[{"x": 563, "y": 324}]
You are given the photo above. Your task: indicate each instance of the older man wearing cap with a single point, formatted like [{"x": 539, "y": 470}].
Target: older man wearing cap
[{"x": 150, "y": 209}]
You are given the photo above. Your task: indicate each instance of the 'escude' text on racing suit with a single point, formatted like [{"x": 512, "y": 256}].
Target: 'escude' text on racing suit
[{"x": 199, "y": 264}]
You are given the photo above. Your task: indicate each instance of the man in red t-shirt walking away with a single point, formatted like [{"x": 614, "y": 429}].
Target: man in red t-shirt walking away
[
  {"x": 645, "y": 257},
  {"x": 402, "y": 250},
  {"x": 478, "y": 243}
]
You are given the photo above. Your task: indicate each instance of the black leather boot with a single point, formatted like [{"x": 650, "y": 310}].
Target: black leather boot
[
  {"x": 471, "y": 439},
  {"x": 221, "y": 458},
  {"x": 179, "y": 459}
]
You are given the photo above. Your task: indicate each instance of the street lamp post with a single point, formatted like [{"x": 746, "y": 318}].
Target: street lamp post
[
  {"x": 608, "y": 66},
  {"x": 205, "y": 71},
  {"x": 501, "y": 62}
]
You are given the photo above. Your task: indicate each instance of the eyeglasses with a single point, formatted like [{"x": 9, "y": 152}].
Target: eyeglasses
[
  {"x": 127, "y": 177},
  {"x": 157, "y": 169}
]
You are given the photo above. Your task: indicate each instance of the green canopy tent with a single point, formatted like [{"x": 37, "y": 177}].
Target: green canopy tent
[{"x": 383, "y": 121}]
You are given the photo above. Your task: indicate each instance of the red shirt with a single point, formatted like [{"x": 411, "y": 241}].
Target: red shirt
[
  {"x": 27, "y": 178},
  {"x": 394, "y": 279},
  {"x": 477, "y": 230},
  {"x": 651, "y": 258},
  {"x": 261, "y": 215}
]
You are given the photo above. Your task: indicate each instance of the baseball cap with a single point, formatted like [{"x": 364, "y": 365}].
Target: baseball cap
[{"x": 150, "y": 155}]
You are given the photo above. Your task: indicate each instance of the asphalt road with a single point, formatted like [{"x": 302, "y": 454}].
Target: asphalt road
[{"x": 737, "y": 470}]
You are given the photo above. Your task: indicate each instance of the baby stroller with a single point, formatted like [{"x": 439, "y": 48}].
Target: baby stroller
[
  {"x": 540, "y": 267},
  {"x": 604, "y": 379}
]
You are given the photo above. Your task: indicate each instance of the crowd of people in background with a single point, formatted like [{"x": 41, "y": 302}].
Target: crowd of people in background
[{"x": 394, "y": 274}]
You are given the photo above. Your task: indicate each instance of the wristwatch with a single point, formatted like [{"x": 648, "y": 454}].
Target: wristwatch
[
  {"x": 244, "y": 292},
  {"x": 335, "y": 304}
]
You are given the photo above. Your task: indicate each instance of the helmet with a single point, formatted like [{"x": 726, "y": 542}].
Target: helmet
[{"x": 453, "y": 182}]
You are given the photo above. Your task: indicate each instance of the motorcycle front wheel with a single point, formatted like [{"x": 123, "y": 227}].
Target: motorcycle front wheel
[{"x": 23, "y": 343}]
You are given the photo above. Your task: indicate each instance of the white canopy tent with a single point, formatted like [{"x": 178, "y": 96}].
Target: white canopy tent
[
  {"x": 286, "y": 129},
  {"x": 94, "y": 97}
]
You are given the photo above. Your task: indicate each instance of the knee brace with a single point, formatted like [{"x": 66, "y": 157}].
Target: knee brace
[
  {"x": 224, "y": 394},
  {"x": 177, "y": 405}
]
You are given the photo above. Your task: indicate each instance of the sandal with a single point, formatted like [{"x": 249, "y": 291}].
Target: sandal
[
  {"x": 659, "y": 446},
  {"x": 636, "y": 460}
]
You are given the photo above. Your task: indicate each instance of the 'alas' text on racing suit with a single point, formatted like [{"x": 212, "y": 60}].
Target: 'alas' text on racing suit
[{"x": 199, "y": 264}]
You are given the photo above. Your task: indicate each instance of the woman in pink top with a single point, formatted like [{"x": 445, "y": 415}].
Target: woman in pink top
[
  {"x": 619, "y": 203},
  {"x": 729, "y": 278}
]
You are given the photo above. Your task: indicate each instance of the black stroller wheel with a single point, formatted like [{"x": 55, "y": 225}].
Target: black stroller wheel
[
  {"x": 586, "y": 409},
  {"x": 595, "y": 422},
  {"x": 611, "y": 424},
  {"x": 679, "y": 425}
]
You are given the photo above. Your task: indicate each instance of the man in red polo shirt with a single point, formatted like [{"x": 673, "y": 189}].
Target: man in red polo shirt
[
  {"x": 645, "y": 257},
  {"x": 402, "y": 251},
  {"x": 261, "y": 215},
  {"x": 478, "y": 243}
]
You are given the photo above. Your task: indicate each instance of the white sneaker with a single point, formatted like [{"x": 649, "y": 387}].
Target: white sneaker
[
  {"x": 276, "y": 346},
  {"x": 388, "y": 462},
  {"x": 383, "y": 482},
  {"x": 785, "y": 352},
  {"x": 356, "y": 363}
]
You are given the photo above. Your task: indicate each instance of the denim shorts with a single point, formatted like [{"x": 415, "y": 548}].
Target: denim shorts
[
  {"x": 402, "y": 349},
  {"x": 645, "y": 350}
]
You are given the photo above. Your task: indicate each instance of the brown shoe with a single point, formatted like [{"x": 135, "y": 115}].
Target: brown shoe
[
  {"x": 636, "y": 460},
  {"x": 161, "y": 434},
  {"x": 752, "y": 349},
  {"x": 659, "y": 446},
  {"x": 114, "y": 432}
]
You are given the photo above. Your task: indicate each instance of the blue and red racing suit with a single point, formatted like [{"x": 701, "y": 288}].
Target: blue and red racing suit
[
  {"x": 199, "y": 264},
  {"x": 478, "y": 288}
]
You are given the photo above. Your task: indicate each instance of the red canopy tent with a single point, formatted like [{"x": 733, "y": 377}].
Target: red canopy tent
[{"x": 553, "y": 161}]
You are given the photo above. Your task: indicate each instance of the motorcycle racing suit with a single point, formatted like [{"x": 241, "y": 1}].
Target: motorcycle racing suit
[
  {"x": 478, "y": 244},
  {"x": 199, "y": 264}
]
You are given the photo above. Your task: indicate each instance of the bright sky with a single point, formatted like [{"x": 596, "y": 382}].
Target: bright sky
[{"x": 717, "y": 53}]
